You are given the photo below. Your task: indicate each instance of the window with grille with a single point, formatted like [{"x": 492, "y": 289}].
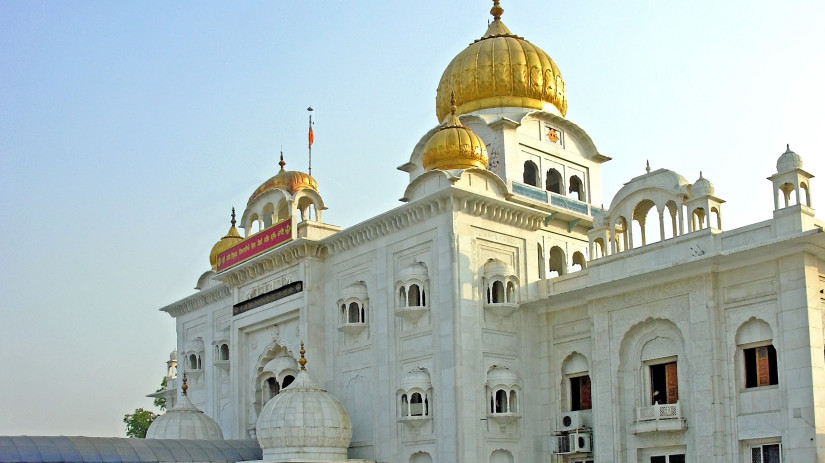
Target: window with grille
[
  {"x": 672, "y": 458},
  {"x": 768, "y": 453}
]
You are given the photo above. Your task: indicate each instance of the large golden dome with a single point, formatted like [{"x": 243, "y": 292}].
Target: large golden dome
[
  {"x": 231, "y": 239},
  {"x": 454, "y": 146},
  {"x": 289, "y": 180},
  {"x": 501, "y": 70}
]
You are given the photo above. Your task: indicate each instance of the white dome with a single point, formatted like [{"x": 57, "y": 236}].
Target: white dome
[
  {"x": 495, "y": 267},
  {"x": 415, "y": 271},
  {"x": 357, "y": 290},
  {"x": 304, "y": 422},
  {"x": 788, "y": 161},
  {"x": 702, "y": 187},
  {"x": 501, "y": 376},
  {"x": 418, "y": 378},
  {"x": 184, "y": 421}
]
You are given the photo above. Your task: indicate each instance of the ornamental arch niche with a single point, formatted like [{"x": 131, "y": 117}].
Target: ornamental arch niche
[
  {"x": 501, "y": 456},
  {"x": 654, "y": 376},
  {"x": 575, "y": 387},
  {"x": 276, "y": 369},
  {"x": 756, "y": 355}
]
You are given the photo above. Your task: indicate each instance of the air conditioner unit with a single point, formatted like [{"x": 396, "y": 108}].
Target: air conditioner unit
[
  {"x": 579, "y": 442},
  {"x": 570, "y": 421},
  {"x": 560, "y": 444}
]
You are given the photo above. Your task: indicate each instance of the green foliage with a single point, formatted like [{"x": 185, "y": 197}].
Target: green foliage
[
  {"x": 159, "y": 401},
  {"x": 137, "y": 423}
]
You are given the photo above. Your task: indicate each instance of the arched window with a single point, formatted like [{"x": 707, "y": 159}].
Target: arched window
[
  {"x": 531, "y": 173},
  {"x": 542, "y": 274},
  {"x": 496, "y": 293},
  {"x": 193, "y": 362},
  {"x": 288, "y": 379},
  {"x": 405, "y": 405},
  {"x": 759, "y": 361},
  {"x": 273, "y": 387},
  {"x": 500, "y": 402},
  {"x": 579, "y": 262},
  {"x": 224, "y": 352},
  {"x": 354, "y": 313},
  {"x": 556, "y": 263},
  {"x": 414, "y": 296},
  {"x": 511, "y": 292},
  {"x": 402, "y": 297},
  {"x": 416, "y": 405},
  {"x": 553, "y": 182},
  {"x": 576, "y": 188}
]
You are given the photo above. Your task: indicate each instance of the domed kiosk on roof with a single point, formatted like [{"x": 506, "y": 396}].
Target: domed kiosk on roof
[
  {"x": 454, "y": 146},
  {"x": 231, "y": 239},
  {"x": 184, "y": 421}
]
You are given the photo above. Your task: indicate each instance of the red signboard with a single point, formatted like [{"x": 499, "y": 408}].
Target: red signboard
[{"x": 260, "y": 242}]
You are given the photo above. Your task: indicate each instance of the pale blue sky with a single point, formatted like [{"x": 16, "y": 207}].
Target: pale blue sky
[{"x": 129, "y": 130}]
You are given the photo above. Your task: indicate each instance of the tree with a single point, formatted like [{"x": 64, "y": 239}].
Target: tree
[
  {"x": 137, "y": 423},
  {"x": 160, "y": 402}
]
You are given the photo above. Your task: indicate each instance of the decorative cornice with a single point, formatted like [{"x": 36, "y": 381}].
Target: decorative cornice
[
  {"x": 493, "y": 209},
  {"x": 277, "y": 258},
  {"x": 197, "y": 300}
]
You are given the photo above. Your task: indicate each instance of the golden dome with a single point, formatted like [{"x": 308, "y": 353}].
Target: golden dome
[
  {"x": 231, "y": 239},
  {"x": 454, "y": 146},
  {"x": 289, "y": 180},
  {"x": 501, "y": 70}
]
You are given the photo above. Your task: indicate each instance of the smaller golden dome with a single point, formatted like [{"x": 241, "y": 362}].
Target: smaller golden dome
[
  {"x": 454, "y": 146},
  {"x": 289, "y": 180},
  {"x": 231, "y": 239}
]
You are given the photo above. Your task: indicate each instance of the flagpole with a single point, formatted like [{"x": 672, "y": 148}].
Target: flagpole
[{"x": 310, "y": 140}]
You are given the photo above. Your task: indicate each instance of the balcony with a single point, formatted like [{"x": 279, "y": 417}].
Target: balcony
[
  {"x": 554, "y": 199},
  {"x": 659, "y": 417}
]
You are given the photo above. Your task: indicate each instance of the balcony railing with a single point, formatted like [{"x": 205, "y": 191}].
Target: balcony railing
[
  {"x": 548, "y": 197},
  {"x": 659, "y": 412}
]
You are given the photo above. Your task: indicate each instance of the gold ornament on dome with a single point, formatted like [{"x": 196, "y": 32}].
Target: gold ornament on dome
[
  {"x": 501, "y": 70},
  {"x": 289, "y": 180},
  {"x": 454, "y": 146},
  {"x": 231, "y": 239}
]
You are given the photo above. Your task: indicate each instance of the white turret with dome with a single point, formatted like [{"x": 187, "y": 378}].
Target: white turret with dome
[
  {"x": 304, "y": 423},
  {"x": 184, "y": 421}
]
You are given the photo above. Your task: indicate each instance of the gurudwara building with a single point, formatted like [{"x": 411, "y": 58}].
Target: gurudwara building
[{"x": 502, "y": 313}]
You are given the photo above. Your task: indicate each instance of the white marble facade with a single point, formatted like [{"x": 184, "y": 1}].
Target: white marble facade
[{"x": 501, "y": 315}]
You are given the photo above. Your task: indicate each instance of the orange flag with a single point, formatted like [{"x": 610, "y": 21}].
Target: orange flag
[{"x": 311, "y": 136}]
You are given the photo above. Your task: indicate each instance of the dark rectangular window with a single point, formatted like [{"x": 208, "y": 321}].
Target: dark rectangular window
[
  {"x": 664, "y": 384},
  {"x": 580, "y": 393},
  {"x": 674, "y": 458},
  {"x": 760, "y": 366}
]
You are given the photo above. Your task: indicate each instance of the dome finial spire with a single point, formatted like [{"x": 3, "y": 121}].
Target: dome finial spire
[
  {"x": 496, "y": 10},
  {"x": 184, "y": 387},
  {"x": 453, "y": 107},
  {"x": 233, "y": 216},
  {"x": 303, "y": 360},
  {"x": 281, "y": 162}
]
